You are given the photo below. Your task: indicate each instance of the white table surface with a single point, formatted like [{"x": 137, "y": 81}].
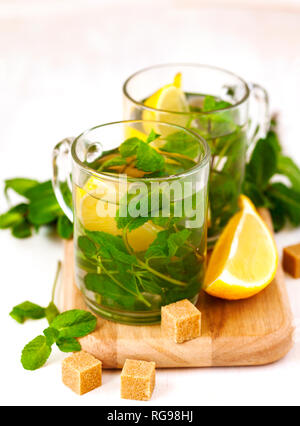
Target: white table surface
[{"x": 62, "y": 65}]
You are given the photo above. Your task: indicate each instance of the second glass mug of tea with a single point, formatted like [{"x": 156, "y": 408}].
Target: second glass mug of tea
[
  {"x": 139, "y": 242},
  {"x": 213, "y": 103}
]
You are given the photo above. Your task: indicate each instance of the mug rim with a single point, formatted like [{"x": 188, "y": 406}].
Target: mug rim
[
  {"x": 185, "y": 64},
  {"x": 114, "y": 177}
]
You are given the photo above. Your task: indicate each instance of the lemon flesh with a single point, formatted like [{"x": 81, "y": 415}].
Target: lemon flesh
[
  {"x": 169, "y": 98},
  {"x": 245, "y": 258},
  {"x": 97, "y": 206}
]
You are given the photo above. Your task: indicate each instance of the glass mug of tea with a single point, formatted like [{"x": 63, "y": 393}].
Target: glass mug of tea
[
  {"x": 213, "y": 103},
  {"x": 139, "y": 207}
]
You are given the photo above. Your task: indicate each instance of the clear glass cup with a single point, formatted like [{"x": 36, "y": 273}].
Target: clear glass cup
[
  {"x": 228, "y": 131},
  {"x": 140, "y": 243}
]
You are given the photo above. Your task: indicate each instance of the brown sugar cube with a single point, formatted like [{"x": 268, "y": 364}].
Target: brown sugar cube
[
  {"x": 81, "y": 372},
  {"x": 137, "y": 380},
  {"x": 291, "y": 260},
  {"x": 181, "y": 321}
]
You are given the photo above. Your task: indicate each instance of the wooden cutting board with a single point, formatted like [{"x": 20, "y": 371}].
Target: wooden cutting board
[{"x": 251, "y": 332}]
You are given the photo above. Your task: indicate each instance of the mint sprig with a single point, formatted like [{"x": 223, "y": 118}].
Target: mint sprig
[
  {"x": 263, "y": 185},
  {"x": 64, "y": 328},
  {"x": 39, "y": 209}
]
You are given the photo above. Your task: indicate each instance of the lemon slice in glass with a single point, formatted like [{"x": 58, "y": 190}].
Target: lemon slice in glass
[
  {"x": 169, "y": 101},
  {"x": 97, "y": 208}
]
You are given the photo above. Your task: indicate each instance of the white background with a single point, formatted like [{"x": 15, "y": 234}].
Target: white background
[{"x": 62, "y": 64}]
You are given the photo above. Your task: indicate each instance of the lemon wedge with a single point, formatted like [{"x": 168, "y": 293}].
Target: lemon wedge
[
  {"x": 97, "y": 205},
  {"x": 169, "y": 98},
  {"x": 245, "y": 258}
]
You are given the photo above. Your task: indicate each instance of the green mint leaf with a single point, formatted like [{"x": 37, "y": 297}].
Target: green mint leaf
[
  {"x": 159, "y": 247},
  {"x": 130, "y": 222},
  {"x": 287, "y": 167},
  {"x": 129, "y": 147},
  {"x": 22, "y": 230},
  {"x": 278, "y": 216},
  {"x": 177, "y": 240},
  {"x": 116, "y": 161},
  {"x": 102, "y": 238},
  {"x": 41, "y": 190},
  {"x": 51, "y": 335},
  {"x": 287, "y": 199},
  {"x": 115, "y": 287},
  {"x": 124, "y": 218},
  {"x": 256, "y": 196},
  {"x": 51, "y": 312},
  {"x": 109, "y": 290},
  {"x": 148, "y": 159},
  {"x": 263, "y": 164},
  {"x": 14, "y": 216},
  {"x": 35, "y": 353},
  {"x": 212, "y": 104},
  {"x": 74, "y": 323},
  {"x": 20, "y": 185},
  {"x": 273, "y": 140},
  {"x": 27, "y": 310},
  {"x": 149, "y": 285},
  {"x": 102, "y": 284},
  {"x": 152, "y": 136},
  {"x": 111, "y": 247},
  {"x": 87, "y": 246},
  {"x": 43, "y": 211},
  {"x": 182, "y": 143},
  {"x": 68, "y": 345},
  {"x": 64, "y": 227},
  {"x": 10, "y": 219}
]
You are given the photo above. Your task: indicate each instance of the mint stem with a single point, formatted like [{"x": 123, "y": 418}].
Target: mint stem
[
  {"x": 58, "y": 269},
  {"x": 146, "y": 266},
  {"x": 140, "y": 297}
]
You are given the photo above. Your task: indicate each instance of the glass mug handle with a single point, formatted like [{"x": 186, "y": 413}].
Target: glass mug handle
[
  {"x": 62, "y": 182},
  {"x": 259, "y": 113}
]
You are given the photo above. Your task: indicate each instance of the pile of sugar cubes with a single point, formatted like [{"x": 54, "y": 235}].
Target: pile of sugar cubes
[{"x": 81, "y": 372}]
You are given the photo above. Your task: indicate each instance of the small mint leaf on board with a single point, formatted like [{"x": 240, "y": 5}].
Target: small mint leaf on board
[
  {"x": 20, "y": 185},
  {"x": 51, "y": 312},
  {"x": 27, "y": 310},
  {"x": 68, "y": 345},
  {"x": 64, "y": 227},
  {"x": 74, "y": 323},
  {"x": 51, "y": 335},
  {"x": 35, "y": 353}
]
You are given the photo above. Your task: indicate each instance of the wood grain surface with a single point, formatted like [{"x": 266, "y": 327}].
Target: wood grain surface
[{"x": 255, "y": 331}]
